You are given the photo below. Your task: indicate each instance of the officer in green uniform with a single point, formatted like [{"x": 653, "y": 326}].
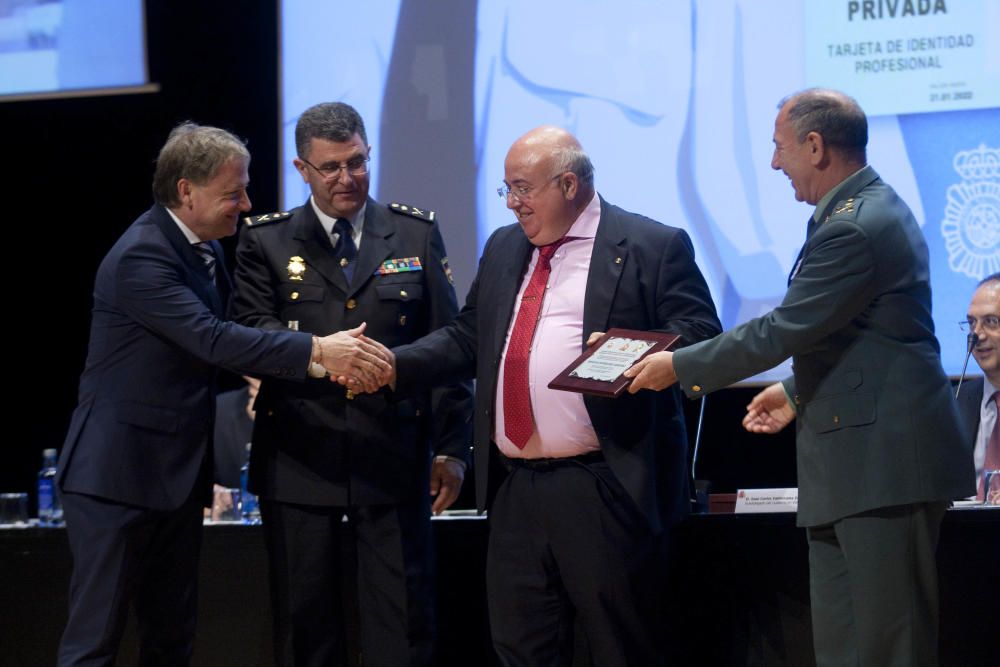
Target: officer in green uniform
[{"x": 880, "y": 449}]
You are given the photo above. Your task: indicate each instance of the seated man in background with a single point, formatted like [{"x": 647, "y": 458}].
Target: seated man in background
[
  {"x": 233, "y": 430},
  {"x": 978, "y": 398},
  {"x": 230, "y": 443}
]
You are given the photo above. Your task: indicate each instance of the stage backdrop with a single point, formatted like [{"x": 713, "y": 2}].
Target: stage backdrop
[{"x": 675, "y": 102}]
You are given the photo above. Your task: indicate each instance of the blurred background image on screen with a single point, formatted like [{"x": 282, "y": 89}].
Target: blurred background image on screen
[{"x": 70, "y": 45}]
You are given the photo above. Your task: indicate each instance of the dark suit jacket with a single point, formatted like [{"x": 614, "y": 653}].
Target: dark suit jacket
[
  {"x": 642, "y": 276},
  {"x": 877, "y": 425},
  {"x": 312, "y": 444},
  {"x": 970, "y": 407},
  {"x": 141, "y": 430}
]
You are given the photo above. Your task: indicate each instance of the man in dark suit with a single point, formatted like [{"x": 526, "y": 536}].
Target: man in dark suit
[
  {"x": 578, "y": 527},
  {"x": 879, "y": 442},
  {"x": 136, "y": 466},
  {"x": 977, "y": 399},
  {"x": 321, "y": 453}
]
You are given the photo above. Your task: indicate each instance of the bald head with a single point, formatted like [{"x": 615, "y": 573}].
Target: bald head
[
  {"x": 556, "y": 147},
  {"x": 551, "y": 181},
  {"x": 836, "y": 117},
  {"x": 819, "y": 140}
]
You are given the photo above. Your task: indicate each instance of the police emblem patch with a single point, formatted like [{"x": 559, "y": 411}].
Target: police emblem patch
[{"x": 971, "y": 225}]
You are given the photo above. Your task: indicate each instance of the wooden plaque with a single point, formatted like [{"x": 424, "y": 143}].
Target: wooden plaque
[{"x": 598, "y": 371}]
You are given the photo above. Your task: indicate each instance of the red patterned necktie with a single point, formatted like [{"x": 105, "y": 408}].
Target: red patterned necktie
[
  {"x": 992, "y": 461},
  {"x": 518, "y": 422}
]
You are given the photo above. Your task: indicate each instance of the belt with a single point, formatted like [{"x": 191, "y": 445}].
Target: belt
[{"x": 548, "y": 464}]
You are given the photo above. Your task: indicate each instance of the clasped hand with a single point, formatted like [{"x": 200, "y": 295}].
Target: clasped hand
[{"x": 355, "y": 360}]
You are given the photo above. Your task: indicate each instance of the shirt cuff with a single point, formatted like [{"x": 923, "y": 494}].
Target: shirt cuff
[
  {"x": 316, "y": 371},
  {"x": 789, "y": 398},
  {"x": 445, "y": 457}
]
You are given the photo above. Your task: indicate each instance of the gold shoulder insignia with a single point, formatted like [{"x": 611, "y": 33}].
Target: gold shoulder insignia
[
  {"x": 257, "y": 220},
  {"x": 845, "y": 208},
  {"x": 413, "y": 211}
]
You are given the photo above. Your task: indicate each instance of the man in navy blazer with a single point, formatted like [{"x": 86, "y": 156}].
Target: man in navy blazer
[
  {"x": 136, "y": 465},
  {"x": 578, "y": 526}
]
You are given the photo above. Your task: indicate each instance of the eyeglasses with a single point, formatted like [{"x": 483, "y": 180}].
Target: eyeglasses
[
  {"x": 522, "y": 193},
  {"x": 989, "y": 322},
  {"x": 356, "y": 166}
]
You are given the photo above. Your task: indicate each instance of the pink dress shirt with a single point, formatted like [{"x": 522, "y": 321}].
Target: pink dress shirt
[{"x": 562, "y": 425}]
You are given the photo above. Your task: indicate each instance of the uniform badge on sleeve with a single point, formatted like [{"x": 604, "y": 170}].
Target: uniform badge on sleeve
[
  {"x": 399, "y": 265},
  {"x": 447, "y": 270},
  {"x": 296, "y": 268}
]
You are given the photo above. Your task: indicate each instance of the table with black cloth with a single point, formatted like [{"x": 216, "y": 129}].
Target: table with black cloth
[{"x": 741, "y": 583}]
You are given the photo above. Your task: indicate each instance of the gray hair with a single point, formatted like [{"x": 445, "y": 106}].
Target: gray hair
[
  {"x": 195, "y": 152},
  {"x": 333, "y": 121},
  {"x": 574, "y": 159},
  {"x": 833, "y": 115}
]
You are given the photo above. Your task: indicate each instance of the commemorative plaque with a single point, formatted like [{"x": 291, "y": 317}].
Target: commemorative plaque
[{"x": 599, "y": 369}]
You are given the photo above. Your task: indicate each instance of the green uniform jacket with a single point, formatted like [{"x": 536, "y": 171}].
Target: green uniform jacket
[{"x": 877, "y": 425}]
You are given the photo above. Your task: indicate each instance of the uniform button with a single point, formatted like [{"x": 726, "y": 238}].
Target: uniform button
[
  {"x": 695, "y": 387},
  {"x": 836, "y": 419},
  {"x": 294, "y": 296},
  {"x": 349, "y": 394},
  {"x": 402, "y": 320},
  {"x": 351, "y": 304},
  {"x": 403, "y": 294}
]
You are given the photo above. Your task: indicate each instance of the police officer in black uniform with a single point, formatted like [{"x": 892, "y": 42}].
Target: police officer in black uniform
[{"x": 320, "y": 452}]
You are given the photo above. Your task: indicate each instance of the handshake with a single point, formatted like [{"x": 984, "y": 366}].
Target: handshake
[{"x": 352, "y": 359}]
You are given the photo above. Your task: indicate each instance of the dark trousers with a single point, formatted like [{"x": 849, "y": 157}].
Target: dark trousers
[
  {"x": 124, "y": 555},
  {"x": 873, "y": 587},
  {"x": 568, "y": 547},
  {"x": 395, "y": 585}
]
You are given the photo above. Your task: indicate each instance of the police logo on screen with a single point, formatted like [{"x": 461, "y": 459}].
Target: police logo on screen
[{"x": 971, "y": 225}]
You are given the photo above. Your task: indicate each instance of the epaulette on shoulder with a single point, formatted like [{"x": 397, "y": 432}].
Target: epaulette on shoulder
[
  {"x": 412, "y": 211},
  {"x": 846, "y": 209},
  {"x": 266, "y": 219}
]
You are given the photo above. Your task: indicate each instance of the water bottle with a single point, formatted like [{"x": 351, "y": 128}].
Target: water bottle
[
  {"x": 49, "y": 508},
  {"x": 251, "y": 510}
]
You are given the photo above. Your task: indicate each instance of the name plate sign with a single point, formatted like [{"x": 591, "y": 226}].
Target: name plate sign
[{"x": 762, "y": 501}]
